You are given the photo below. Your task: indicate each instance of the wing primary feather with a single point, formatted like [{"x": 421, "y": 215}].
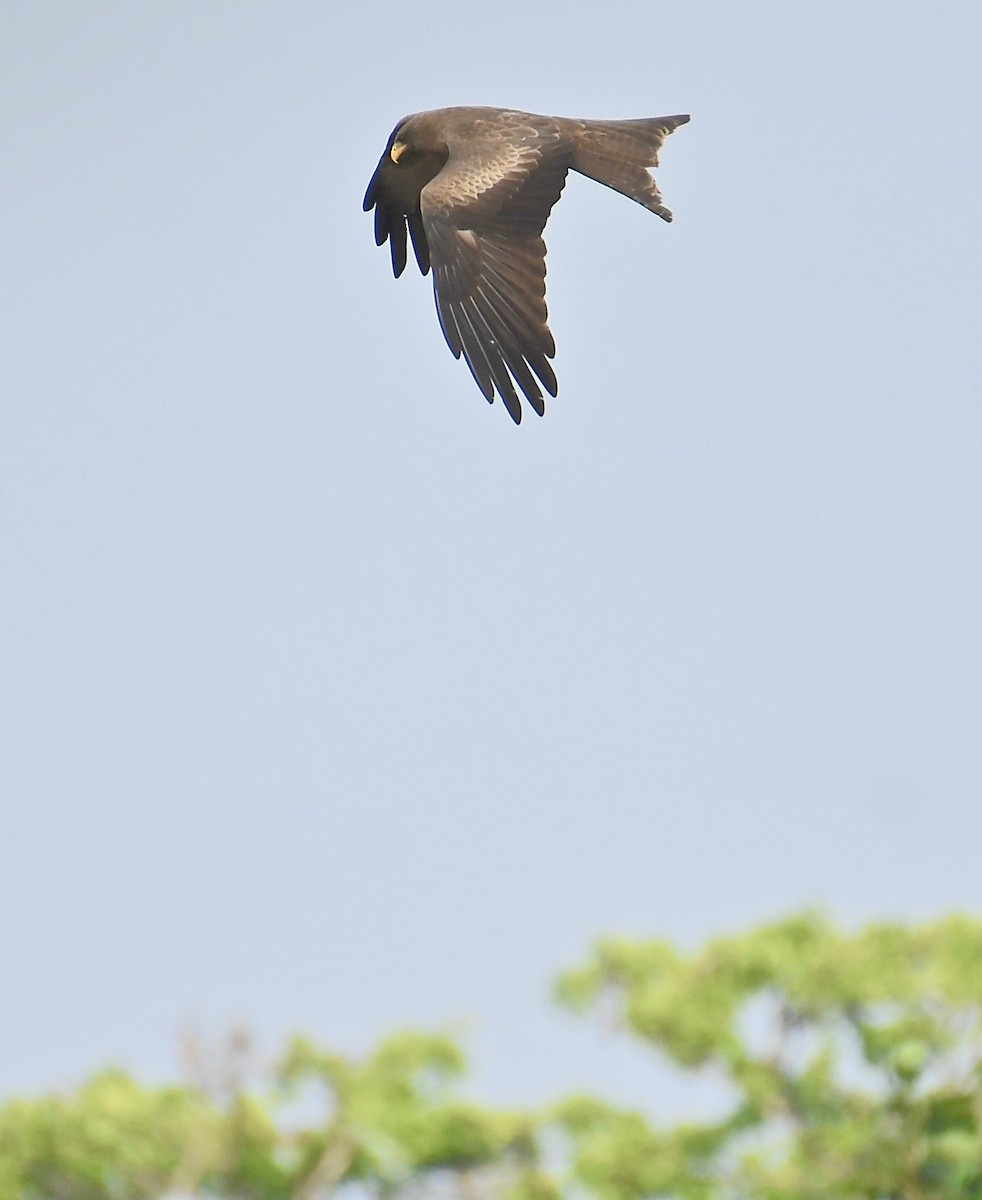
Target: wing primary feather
[
  {"x": 421, "y": 246},
  {"x": 473, "y": 354},
  {"x": 447, "y": 286},
  {"x": 381, "y": 224},
  {"x": 512, "y": 352},
  {"x": 447, "y": 323},
  {"x": 493, "y": 353},
  {"x": 397, "y": 242},
  {"x": 370, "y": 197}
]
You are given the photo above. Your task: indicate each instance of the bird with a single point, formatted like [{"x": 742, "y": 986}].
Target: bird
[{"x": 475, "y": 186}]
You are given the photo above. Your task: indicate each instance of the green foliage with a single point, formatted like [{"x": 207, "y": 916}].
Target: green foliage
[
  {"x": 854, "y": 1062},
  {"x": 394, "y": 1118},
  {"x": 852, "y": 1066},
  {"x": 392, "y": 1122},
  {"x": 112, "y": 1138}
]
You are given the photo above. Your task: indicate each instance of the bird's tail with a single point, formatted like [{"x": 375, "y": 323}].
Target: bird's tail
[{"x": 618, "y": 154}]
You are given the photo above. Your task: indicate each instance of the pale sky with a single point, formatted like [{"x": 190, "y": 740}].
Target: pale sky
[{"x": 332, "y": 700}]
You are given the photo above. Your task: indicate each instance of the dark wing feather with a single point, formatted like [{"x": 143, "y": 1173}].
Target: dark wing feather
[
  {"x": 397, "y": 244},
  {"x": 483, "y": 216},
  {"x": 420, "y": 245},
  {"x": 394, "y": 194}
]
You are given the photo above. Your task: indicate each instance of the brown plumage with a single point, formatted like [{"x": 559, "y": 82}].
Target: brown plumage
[{"x": 475, "y": 186}]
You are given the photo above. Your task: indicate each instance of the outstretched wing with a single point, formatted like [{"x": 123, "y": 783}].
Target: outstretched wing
[{"x": 483, "y": 215}]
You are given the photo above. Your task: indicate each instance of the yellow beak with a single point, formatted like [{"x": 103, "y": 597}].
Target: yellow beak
[{"x": 397, "y": 150}]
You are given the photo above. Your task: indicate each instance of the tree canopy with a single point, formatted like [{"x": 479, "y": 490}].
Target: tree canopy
[{"x": 850, "y": 1066}]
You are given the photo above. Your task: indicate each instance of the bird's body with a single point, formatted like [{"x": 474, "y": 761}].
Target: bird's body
[{"x": 476, "y": 186}]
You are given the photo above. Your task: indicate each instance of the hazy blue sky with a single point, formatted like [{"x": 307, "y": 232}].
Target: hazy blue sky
[{"x": 331, "y": 699}]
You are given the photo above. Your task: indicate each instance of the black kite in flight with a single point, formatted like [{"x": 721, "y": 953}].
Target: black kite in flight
[{"x": 476, "y": 186}]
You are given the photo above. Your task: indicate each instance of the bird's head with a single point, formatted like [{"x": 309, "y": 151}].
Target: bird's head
[{"x": 417, "y": 139}]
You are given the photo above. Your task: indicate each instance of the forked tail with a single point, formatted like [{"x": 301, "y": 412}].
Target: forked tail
[{"x": 618, "y": 154}]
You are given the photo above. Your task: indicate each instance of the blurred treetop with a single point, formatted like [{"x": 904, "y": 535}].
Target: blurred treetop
[{"x": 853, "y": 1064}]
